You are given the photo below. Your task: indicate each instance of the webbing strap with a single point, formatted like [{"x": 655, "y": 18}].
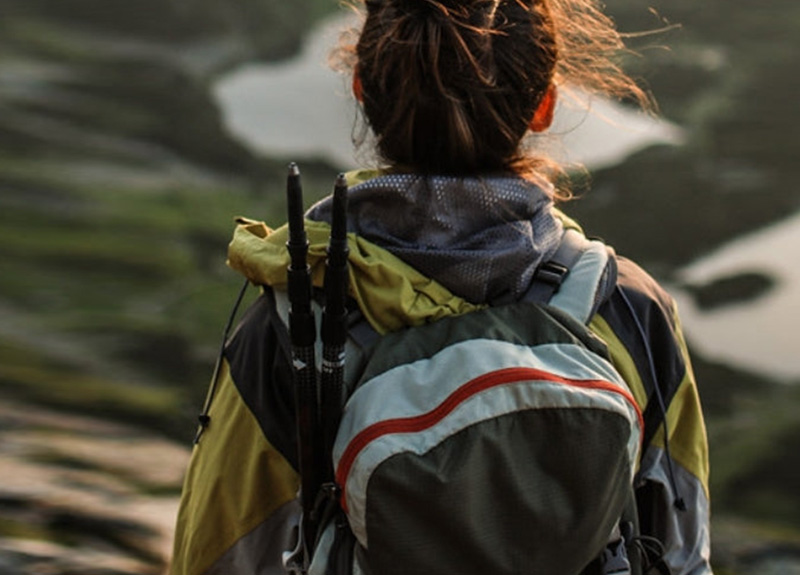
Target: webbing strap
[{"x": 549, "y": 276}]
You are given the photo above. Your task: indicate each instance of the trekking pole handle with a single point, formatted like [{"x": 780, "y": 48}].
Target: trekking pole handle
[
  {"x": 334, "y": 324},
  {"x": 301, "y": 319}
]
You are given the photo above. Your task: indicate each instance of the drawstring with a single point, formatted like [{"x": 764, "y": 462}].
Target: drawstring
[
  {"x": 204, "y": 418},
  {"x": 679, "y": 502}
]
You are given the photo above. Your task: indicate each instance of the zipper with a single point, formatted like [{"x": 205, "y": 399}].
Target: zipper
[{"x": 417, "y": 423}]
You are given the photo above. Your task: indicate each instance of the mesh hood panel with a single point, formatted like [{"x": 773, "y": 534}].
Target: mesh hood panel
[{"x": 482, "y": 238}]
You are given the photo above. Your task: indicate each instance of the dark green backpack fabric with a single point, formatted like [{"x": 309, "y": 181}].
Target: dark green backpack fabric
[{"x": 501, "y": 441}]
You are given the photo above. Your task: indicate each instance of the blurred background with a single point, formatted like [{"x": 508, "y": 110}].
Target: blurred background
[{"x": 131, "y": 135}]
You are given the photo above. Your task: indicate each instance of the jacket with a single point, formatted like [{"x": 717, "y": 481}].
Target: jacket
[{"x": 450, "y": 246}]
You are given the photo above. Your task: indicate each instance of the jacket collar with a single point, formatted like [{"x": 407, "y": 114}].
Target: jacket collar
[{"x": 480, "y": 237}]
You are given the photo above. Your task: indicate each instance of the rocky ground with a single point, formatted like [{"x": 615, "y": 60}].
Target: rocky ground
[{"x": 83, "y": 495}]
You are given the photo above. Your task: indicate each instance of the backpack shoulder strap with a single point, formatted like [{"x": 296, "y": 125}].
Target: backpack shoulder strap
[
  {"x": 592, "y": 270},
  {"x": 577, "y": 279},
  {"x": 549, "y": 276}
]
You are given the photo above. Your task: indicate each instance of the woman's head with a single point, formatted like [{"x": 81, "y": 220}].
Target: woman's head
[{"x": 452, "y": 86}]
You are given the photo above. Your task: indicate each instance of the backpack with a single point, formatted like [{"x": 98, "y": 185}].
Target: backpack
[{"x": 499, "y": 441}]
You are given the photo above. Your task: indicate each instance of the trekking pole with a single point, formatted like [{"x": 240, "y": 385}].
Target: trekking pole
[
  {"x": 303, "y": 333},
  {"x": 334, "y": 326}
]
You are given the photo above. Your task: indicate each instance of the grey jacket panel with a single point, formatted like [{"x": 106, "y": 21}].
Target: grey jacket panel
[{"x": 685, "y": 534}]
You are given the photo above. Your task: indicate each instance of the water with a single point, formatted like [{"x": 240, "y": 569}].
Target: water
[
  {"x": 760, "y": 334},
  {"x": 300, "y": 109}
]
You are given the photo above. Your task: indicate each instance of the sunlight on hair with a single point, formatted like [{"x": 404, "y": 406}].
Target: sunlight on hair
[{"x": 300, "y": 108}]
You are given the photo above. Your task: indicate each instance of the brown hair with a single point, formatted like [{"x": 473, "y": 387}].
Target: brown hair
[{"x": 450, "y": 86}]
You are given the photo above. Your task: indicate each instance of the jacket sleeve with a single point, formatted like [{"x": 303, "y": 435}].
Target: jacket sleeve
[
  {"x": 640, "y": 325},
  {"x": 238, "y": 506}
]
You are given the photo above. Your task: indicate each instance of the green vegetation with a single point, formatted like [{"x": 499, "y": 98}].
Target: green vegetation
[
  {"x": 725, "y": 75},
  {"x": 118, "y": 190}
]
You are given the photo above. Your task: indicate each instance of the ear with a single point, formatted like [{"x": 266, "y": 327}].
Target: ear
[
  {"x": 543, "y": 116},
  {"x": 358, "y": 90}
]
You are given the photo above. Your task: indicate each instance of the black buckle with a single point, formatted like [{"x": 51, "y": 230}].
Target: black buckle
[{"x": 551, "y": 273}]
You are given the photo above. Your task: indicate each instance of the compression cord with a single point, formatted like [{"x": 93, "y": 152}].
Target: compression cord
[{"x": 678, "y": 502}]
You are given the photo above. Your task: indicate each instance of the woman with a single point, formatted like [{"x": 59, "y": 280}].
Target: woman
[{"x": 449, "y": 89}]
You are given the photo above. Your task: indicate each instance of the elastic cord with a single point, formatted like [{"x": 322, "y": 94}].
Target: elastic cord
[
  {"x": 204, "y": 418},
  {"x": 678, "y": 502}
]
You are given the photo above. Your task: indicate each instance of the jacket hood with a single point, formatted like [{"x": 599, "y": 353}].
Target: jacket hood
[
  {"x": 480, "y": 237},
  {"x": 446, "y": 245},
  {"x": 376, "y": 276}
]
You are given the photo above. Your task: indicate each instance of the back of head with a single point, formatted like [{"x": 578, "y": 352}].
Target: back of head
[{"x": 451, "y": 86}]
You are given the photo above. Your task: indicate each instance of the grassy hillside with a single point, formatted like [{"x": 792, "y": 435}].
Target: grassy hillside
[{"x": 118, "y": 188}]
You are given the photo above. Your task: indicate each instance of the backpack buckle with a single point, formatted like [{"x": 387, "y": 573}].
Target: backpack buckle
[
  {"x": 551, "y": 273},
  {"x": 615, "y": 559}
]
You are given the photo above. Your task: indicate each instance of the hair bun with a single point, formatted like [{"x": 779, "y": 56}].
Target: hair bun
[
  {"x": 473, "y": 11},
  {"x": 423, "y": 7}
]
